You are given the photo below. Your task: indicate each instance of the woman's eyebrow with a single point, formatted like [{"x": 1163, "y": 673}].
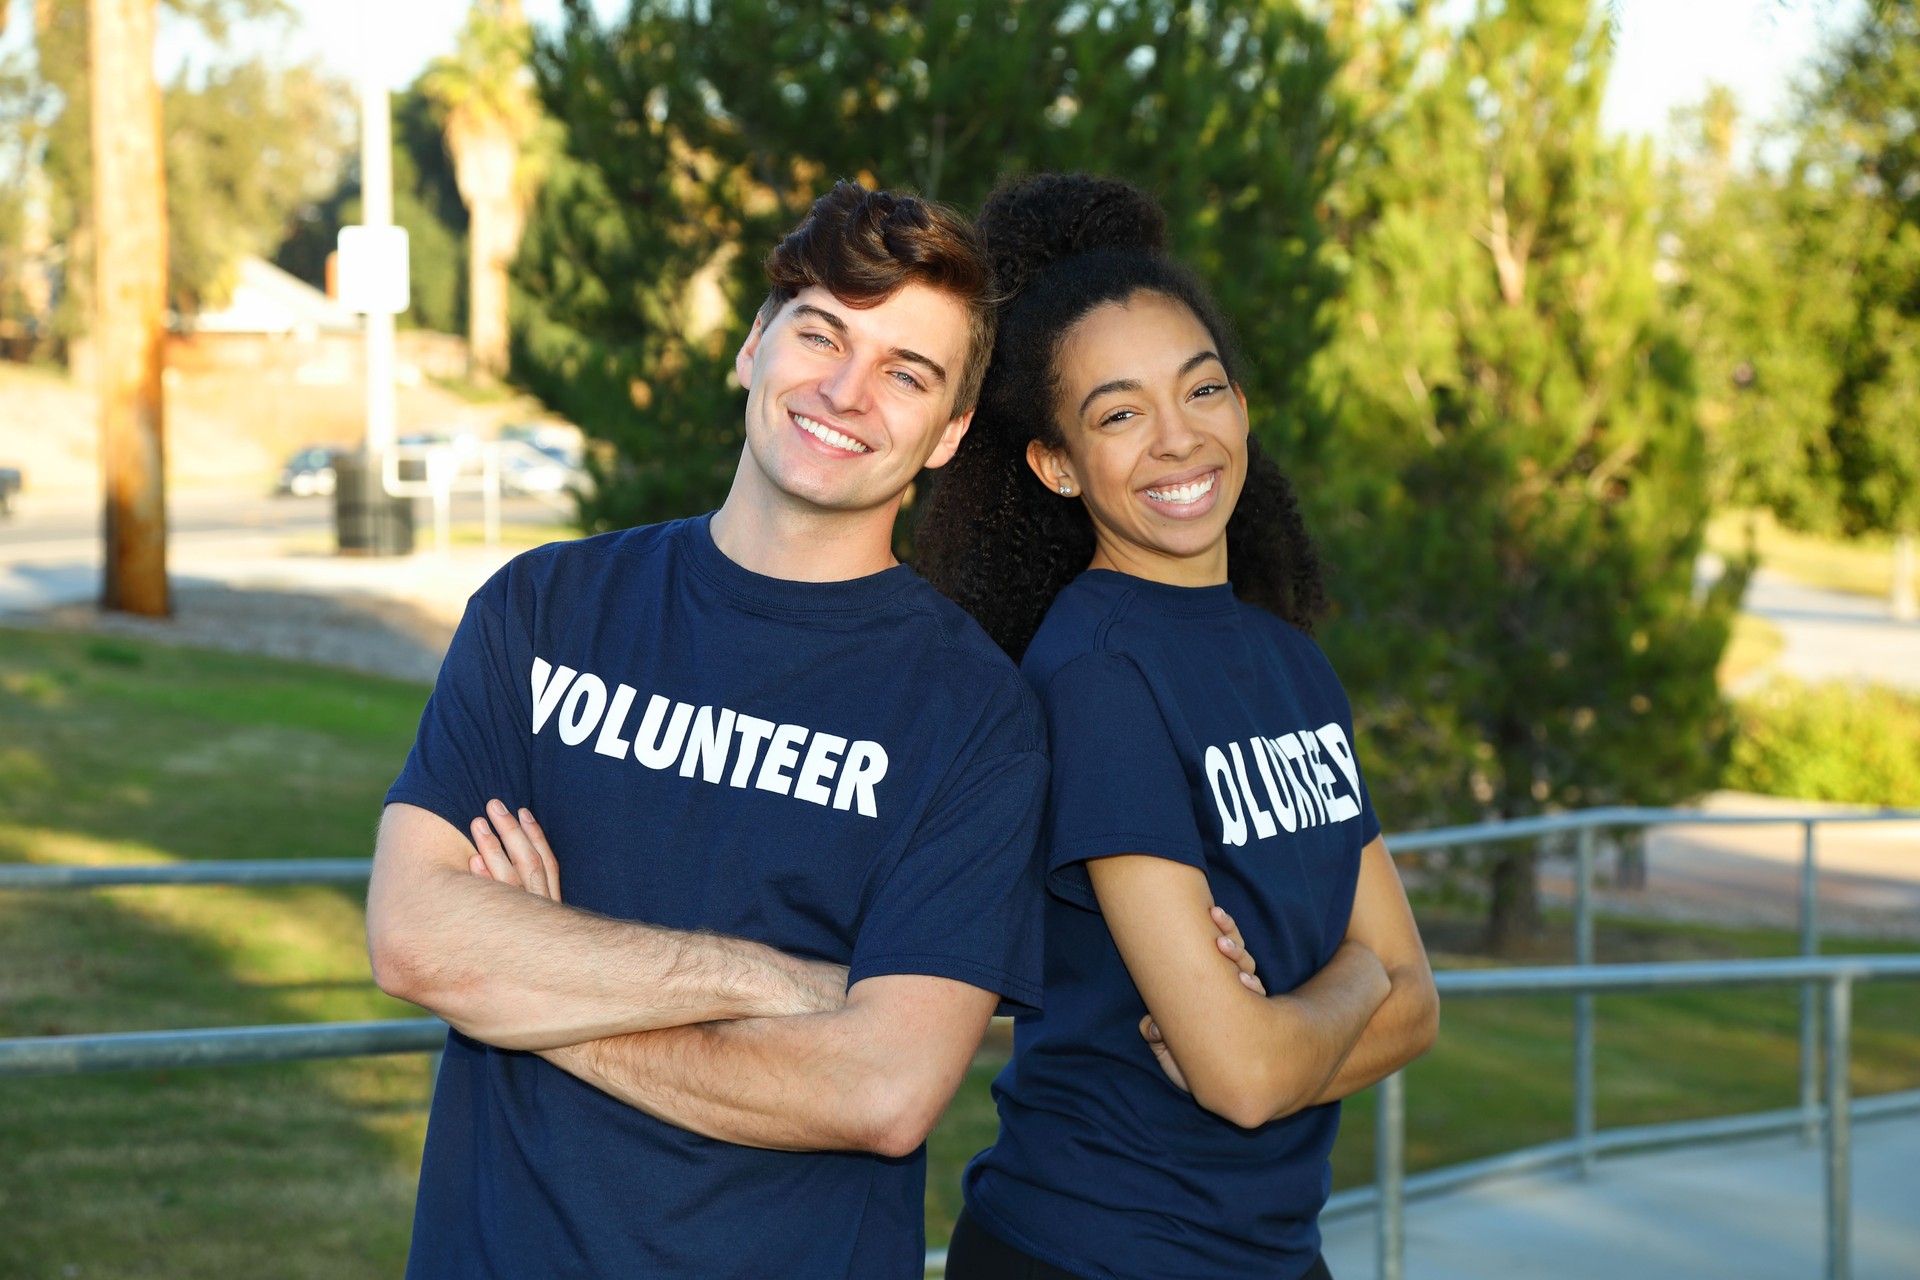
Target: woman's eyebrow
[
  {"x": 1193, "y": 362},
  {"x": 1118, "y": 384}
]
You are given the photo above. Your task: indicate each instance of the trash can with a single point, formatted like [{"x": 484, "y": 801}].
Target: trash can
[{"x": 368, "y": 521}]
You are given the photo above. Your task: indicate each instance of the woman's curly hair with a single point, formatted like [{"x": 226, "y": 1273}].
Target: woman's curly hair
[{"x": 994, "y": 539}]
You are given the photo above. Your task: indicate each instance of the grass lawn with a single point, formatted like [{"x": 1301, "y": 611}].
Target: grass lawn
[
  {"x": 117, "y": 752},
  {"x": 1863, "y": 566}
]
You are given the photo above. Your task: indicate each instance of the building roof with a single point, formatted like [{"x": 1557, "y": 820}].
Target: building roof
[{"x": 269, "y": 300}]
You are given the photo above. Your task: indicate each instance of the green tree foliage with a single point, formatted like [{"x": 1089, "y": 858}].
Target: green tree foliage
[
  {"x": 245, "y": 145},
  {"x": 697, "y": 134},
  {"x": 1860, "y": 158},
  {"x": 1521, "y": 468},
  {"x": 245, "y": 148},
  {"x": 426, "y": 201},
  {"x": 1765, "y": 303},
  {"x": 1801, "y": 283}
]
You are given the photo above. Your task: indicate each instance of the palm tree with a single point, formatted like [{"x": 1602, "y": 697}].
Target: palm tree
[{"x": 485, "y": 97}]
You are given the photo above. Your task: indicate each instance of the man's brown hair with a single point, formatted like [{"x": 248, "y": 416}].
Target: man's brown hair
[{"x": 864, "y": 246}]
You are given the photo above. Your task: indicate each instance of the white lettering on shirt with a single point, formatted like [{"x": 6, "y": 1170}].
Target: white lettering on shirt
[
  {"x": 1300, "y": 790},
  {"x": 785, "y": 759}
]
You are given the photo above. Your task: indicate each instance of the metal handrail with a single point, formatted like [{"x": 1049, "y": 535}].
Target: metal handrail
[
  {"x": 1836, "y": 973},
  {"x": 68, "y": 1054}
]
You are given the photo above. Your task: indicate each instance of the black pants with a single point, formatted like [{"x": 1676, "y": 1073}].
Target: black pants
[{"x": 976, "y": 1255}]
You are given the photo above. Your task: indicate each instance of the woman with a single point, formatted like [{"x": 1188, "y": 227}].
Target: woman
[{"x": 1165, "y": 1116}]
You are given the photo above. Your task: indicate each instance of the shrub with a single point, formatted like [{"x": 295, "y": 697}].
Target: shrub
[{"x": 1857, "y": 744}]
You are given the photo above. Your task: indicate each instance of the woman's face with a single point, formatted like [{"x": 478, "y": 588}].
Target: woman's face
[{"x": 1156, "y": 440}]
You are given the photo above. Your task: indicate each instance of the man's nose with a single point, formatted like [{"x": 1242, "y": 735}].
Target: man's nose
[{"x": 845, "y": 387}]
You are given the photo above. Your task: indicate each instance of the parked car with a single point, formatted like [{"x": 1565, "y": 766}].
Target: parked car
[
  {"x": 529, "y": 468},
  {"x": 309, "y": 472},
  {"x": 9, "y": 489}
]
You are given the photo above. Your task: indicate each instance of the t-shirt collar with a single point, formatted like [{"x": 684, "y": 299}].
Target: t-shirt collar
[{"x": 784, "y": 594}]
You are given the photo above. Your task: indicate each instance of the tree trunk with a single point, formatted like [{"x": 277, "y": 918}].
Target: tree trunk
[
  {"x": 1513, "y": 918},
  {"x": 130, "y": 275},
  {"x": 487, "y": 161}
]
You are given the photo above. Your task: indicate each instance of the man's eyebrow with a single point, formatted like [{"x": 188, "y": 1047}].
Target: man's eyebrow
[
  {"x": 839, "y": 326},
  {"x": 827, "y": 318},
  {"x": 914, "y": 357}
]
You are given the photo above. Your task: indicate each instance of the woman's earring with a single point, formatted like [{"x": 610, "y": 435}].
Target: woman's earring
[{"x": 1065, "y": 490}]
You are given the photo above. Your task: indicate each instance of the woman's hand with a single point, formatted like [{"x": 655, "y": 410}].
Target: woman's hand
[
  {"x": 514, "y": 851},
  {"x": 1234, "y": 948}
]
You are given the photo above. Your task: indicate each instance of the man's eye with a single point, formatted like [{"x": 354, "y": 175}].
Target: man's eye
[
  {"x": 907, "y": 380},
  {"x": 820, "y": 340}
]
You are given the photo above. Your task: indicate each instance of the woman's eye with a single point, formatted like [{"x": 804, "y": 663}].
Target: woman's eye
[
  {"x": 1209, "y": 389},
  {"x": 1118, "y": 416}
]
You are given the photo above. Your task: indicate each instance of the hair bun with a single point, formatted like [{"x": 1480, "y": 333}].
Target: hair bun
[{"x": 1033, "y": 222}]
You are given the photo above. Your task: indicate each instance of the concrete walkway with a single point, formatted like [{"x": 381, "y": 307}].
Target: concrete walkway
[
  {"x": 1833, "y": 635},
  {"x": 1753, "y": 1210}
]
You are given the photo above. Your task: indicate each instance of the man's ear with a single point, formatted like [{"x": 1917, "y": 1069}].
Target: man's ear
[
  {"x": 743, "y": 359},
  {"x": 1053, "y": 467},
  {"x": 950, "y": 440}
]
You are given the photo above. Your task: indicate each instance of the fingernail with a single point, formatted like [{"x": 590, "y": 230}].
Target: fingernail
[
  {"x": 1227, "y": 944},
  {"x": 496, "y": 807},
  {"x": 526, "y": 814}
]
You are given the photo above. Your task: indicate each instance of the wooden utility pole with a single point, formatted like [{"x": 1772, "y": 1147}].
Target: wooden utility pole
[{"x": 130, "y": 298}]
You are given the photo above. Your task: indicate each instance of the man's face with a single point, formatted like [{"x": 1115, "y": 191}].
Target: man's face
[{"x": 845, "y": 404}]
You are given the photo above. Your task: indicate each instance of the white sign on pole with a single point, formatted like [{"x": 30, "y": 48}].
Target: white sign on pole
[{"x": 372, "y": 270}]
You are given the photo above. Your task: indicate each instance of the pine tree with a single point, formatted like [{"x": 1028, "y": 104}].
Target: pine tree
[
  {"x": 698, "y": 134},
  {"x": 1858, "y": 168},
  {"x": 1524, "y": 472}
]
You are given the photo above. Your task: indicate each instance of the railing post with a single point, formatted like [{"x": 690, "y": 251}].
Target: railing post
[
  {"x": 1390, "y": 1175},
  {"x": 1839, "y": 1130},
  {"x": 1809, "y": 996},
  {"x": 1583, "y": 1102}
]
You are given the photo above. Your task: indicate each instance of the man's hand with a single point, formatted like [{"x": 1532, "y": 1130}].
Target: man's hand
[
  {"x": 513, "y": 850},
  {"x": 1234, "y": 948}
]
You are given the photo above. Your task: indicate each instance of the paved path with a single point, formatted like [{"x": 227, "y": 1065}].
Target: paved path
[
  {"x": 1832, "y": 635},
  {"x": 1752, "y": 1210}
]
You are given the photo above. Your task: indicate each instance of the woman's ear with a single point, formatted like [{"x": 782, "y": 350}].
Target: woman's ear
[{"x": 1053, "y": 467}]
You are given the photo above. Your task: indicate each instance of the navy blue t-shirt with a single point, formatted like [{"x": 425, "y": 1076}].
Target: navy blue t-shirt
[
  {"x": 847, "y": 771},
  {"x": 1184, "y": 725}
]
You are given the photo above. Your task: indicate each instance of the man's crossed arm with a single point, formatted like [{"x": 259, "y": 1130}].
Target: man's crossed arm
[
  {"x": 717, "y": 1035},
  {"x": 521, "y": 971}
]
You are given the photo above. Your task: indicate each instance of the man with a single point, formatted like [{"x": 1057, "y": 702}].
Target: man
[{"x": 795, "y": 794}]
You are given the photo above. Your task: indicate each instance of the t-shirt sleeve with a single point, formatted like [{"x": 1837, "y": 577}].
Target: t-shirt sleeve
[
  {"x": 963, "y": 901},
  {"x": 1118, "y": 785},
  {"x": 473, "y": 739}
]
